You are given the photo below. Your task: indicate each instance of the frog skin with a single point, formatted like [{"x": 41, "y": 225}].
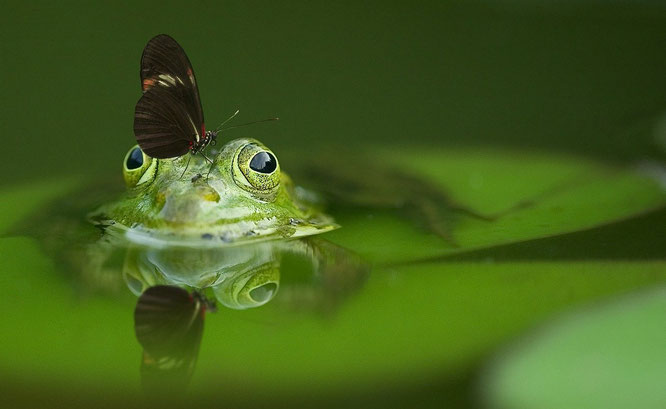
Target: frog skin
[{"x": 243, "y": 196}]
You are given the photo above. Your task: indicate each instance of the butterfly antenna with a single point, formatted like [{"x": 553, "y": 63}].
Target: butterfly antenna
[
  {"x": 227, "y": 120},
  {"x": 186, "y": 166},
  {"x": 250, "y": 123}
]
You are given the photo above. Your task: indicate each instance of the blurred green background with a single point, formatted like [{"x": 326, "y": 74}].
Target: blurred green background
[
  {"x": 581, "y": 76},
  {"x": 559, "y": 77}
]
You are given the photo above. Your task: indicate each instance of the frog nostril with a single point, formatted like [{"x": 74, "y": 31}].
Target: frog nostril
[{"x": 209, "y": 194}]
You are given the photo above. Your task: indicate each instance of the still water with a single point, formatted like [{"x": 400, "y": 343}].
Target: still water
[
  {"x": 397, "y": 297},
  {"x": 495, "y": 170}
]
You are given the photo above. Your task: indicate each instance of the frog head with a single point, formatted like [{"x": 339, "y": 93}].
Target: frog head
[{"x": 238, "y": 194}]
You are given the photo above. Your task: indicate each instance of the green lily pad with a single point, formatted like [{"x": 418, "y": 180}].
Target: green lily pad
[
  {"x": 533, "y": 195},
  {"x": 407, "y": 324},
  {"x": 609, "y": 356}
]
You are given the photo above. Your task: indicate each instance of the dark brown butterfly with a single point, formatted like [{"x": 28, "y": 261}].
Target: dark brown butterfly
[
  {"x": 168, "y": 323},
  {"x": 168, "y": 119}
]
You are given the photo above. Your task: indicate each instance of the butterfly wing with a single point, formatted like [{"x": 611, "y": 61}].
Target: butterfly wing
[
  {"x": 167, "y": 319},
  {"x": 168, "y": 323},
  {"x": 164, "y": 63},
  {"x": 168, "y": 118},
  {"x": 163, "y": 127}
]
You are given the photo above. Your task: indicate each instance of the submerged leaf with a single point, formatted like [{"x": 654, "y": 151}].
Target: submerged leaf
[
  {"x": 610, "y": 356},
  {"x": 525, "y": 196}
]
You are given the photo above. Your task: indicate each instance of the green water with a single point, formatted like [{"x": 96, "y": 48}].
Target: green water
[{"x": 546, "y": 113}]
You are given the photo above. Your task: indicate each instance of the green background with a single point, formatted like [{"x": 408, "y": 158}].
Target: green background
[
  {"x": 573, "y": 86},
  {"x": 582, "y": 76}
]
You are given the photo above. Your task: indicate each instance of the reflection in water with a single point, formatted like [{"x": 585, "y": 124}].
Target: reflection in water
[
  {"x": 311, "y": 273},
  {"x": 307, "y": 274},
  {"x": 168, "y": 323}
]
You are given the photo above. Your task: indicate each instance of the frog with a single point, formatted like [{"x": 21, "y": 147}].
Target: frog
[
  {"x": 243, "y": 197},
  {"x": 220, "y": 224}
]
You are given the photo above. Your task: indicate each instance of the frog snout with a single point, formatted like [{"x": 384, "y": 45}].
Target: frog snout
[
  {"x": 208, "y": 194},
  {"x": 187, "y": 207}
]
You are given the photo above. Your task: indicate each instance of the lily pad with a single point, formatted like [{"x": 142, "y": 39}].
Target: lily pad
[
  {"x": 531, "y": 195},
  {"x": 608, "y": 356}
]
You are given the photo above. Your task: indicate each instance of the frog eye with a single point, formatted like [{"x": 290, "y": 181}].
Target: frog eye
[
  {"x": 138, "y": 168},
  {"x": 256, "y": 169},
  {"x": 249, "y": 289},
  {"x": 263, "y": 162}
]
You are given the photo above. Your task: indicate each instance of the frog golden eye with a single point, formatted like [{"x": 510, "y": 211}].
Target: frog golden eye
[
  {"x": 138, "y": 168},
  {"x": 256, "y": 169}
]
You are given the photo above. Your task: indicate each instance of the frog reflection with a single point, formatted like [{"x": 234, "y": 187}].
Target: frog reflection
[
  {"x": 317, "y": 276},
  {"x": 249, "y": 276},
  {"x": 240, "y": 277}
]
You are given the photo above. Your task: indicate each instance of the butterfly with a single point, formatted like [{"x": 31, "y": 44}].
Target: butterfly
[
  {"x": 168, "y": 118},
  {"x": 168, "y": 323}
]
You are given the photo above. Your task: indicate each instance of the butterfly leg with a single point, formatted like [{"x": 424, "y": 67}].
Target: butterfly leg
[
  {"x": 212, "y": 164},
  {"x": 186, "y": 166}
]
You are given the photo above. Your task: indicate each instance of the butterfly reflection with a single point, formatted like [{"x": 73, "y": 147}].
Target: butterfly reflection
[{"x": 169, "y": 322}]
